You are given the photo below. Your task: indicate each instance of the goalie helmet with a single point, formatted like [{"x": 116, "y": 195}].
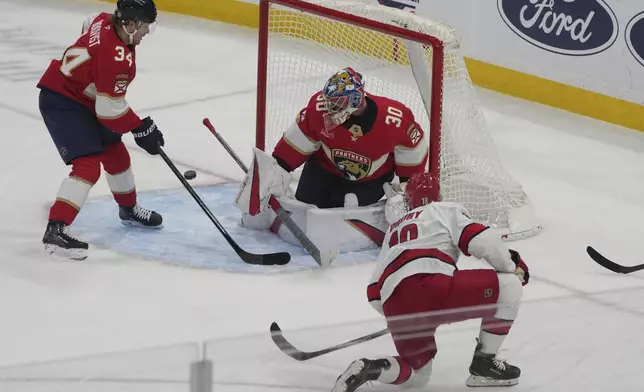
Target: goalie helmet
[
  {"x": 140, "y": 11},
  {"x": 419, "y": 190},
  {"x": 343, "y": 94}
]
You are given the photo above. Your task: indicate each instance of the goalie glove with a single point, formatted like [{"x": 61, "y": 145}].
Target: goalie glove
[
  {"x": 395, "y": 206},
  {"x": 264, "y": 178},
  {"x": 522, "y": 268}
]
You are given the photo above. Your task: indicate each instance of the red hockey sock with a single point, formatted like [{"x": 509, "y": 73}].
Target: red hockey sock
[
  {"x": 116, "y": 162},
  {"x": 493, "y": 334},
  {"x": 404, "y": 373}
]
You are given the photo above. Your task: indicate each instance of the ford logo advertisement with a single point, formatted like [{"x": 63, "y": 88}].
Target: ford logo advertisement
[
  {"x": 635, "y": 37},
  {"x": 568, "y": 27}
]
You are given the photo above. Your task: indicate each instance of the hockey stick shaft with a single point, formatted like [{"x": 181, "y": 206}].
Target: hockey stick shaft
[
  {"x": 250, "y": 258},
  {"x": 282, "y": 214},
  {"x": 606, "y": 263},
  {"x": 287, "y": 348}
]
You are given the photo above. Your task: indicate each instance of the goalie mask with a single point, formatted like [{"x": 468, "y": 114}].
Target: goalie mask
[
  {"x": 343, "y": 94},
  {"x": 419, "y": 189}
]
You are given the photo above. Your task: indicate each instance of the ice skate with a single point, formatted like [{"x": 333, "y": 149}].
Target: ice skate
[
  {"x": 359, "y": 372},
  {"x": 139, "y": 216},
  {"x": 487, "y": 370},
  {"x": 58, "y": 241}
]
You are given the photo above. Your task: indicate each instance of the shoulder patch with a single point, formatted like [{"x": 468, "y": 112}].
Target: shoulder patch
[
  {"x": 301, "y": 116},
  {"x": 414, "y": 134}
]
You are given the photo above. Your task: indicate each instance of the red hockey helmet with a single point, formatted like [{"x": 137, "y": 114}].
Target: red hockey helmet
[{"x": 419, "y": 190}]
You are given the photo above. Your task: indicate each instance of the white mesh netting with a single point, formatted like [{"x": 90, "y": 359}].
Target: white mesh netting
[{"x": 304, "y": 50}]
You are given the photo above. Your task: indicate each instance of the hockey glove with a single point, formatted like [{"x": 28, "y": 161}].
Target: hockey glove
[
  {"x": 396, "y": 206},
  {"x": 148, "y": 136},
  {"x": 522, "y": 268},
  {"x": 265, "y": 178}
]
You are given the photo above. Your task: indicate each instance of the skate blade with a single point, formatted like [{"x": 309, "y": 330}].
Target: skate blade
[
  {"x": 479, "y": 381},
  {"x": 74, "y": 254},
  {"x": 353, "y": 369},
  {"x": 137, "y": 224}
]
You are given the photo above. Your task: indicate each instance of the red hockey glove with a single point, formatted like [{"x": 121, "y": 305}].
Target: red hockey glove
[{"x": 522, "y": 270}]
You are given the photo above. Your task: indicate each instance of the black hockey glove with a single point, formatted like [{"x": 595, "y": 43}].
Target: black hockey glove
[
  {"x": 522, "y": 268},
  {"x": 148, "y": 136}
]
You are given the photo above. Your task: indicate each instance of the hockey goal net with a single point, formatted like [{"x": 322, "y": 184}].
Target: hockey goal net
[{"x": 401, "y": 56}]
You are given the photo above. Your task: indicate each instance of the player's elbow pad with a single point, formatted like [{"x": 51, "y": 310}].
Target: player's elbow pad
[{"x": 489, "y": 247}]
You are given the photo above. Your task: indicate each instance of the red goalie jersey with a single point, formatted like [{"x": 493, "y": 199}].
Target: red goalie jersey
[
  {"x": 96, "y": 72},
  {"x": 383, "y": 139}
]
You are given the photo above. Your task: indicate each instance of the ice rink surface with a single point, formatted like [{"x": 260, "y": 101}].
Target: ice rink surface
[{"x": 579, "y": 328}]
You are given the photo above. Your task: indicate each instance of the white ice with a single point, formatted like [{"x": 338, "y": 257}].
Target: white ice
[{"x": 579, "y": 328}]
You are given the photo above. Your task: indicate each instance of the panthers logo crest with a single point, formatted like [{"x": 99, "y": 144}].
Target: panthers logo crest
[{"x": 352, "y": 166}]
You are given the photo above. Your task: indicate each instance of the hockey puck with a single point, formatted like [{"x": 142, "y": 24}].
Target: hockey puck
[{"x": 190, "y": 174}]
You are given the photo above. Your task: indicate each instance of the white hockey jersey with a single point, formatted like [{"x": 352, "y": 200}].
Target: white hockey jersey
[{"x": 430, "y": 240}]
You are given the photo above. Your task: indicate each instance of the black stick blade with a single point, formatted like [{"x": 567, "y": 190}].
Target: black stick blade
[
  {"x": 286, "y": 347},
  {"x": 604, "y": 262},
  {"x": 280, "y": 258}
]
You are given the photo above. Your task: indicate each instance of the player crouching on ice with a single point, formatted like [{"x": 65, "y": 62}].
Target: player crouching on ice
[
  {"x": 82, "y": 101},
  {"x": 351, "y": 145},
  {"x": 417, "y": 287}
]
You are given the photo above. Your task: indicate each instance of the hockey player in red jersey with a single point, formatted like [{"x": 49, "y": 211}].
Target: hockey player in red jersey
[
  {"x": 349, "y": 141},
  {"x": 417, "y": 287},
  {"x": 82, "y": 101}
]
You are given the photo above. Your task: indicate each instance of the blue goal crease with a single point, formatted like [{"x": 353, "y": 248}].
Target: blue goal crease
[{"x": 188, "y": 238}]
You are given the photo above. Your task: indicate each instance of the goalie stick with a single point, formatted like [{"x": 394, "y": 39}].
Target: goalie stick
[
  {"x": 249, "y": 258},
  {"x": 287, "y": 348},
  {"x": 604, "y": 262},
  {"x": 323, "y": 260}
]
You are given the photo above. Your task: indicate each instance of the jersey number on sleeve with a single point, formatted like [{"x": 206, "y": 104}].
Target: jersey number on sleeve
[
  {"x": 407, "y": 233},
  {"x": 73, "y": 58}
]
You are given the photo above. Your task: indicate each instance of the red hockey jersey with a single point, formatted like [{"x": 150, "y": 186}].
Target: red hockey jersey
[
  {"x": 385, "y": 138},
  {"x": 96, "y": 72}
]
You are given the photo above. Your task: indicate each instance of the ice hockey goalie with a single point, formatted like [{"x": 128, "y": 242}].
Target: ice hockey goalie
[{"x": 352, "y": 146}]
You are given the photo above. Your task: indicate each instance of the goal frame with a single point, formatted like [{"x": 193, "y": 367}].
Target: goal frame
[{"x": 434, "y": 110}]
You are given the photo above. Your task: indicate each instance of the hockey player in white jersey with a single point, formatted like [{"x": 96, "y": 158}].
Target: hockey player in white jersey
[{"x": 417, "y": 287}]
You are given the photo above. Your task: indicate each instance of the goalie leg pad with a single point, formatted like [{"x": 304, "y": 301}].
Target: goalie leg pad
[{"x": 262, "y": 221}]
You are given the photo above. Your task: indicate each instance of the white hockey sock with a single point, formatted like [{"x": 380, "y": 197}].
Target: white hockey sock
[
  {"x": 491, "y": 342},
  {"x": 390, "y": 375},
  {"x": 74, "y": 191},
  {"x": 122, "y": 182}
]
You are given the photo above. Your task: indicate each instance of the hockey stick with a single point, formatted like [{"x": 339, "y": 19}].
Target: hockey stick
[
  {"x": 287, "y": 348},
  {"x": 280, "y": 258},
  {"x": 282, "y": 214},
  {"x": 604, "y": 262}
]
